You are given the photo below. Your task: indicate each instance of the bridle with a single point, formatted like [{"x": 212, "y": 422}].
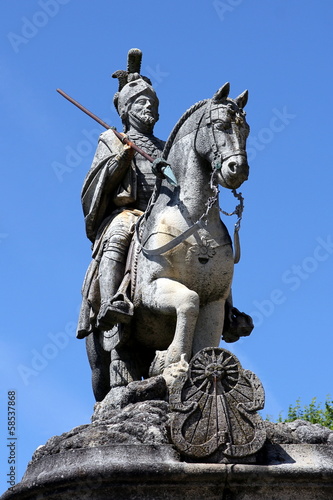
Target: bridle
[{"x": 218, "y": 157}]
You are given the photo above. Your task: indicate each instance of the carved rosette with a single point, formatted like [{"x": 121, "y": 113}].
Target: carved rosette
[{"x": 214, "y": 407}]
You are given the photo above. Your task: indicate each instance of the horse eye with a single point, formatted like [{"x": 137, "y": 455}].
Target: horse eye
[{"x": 223, "y": 125}]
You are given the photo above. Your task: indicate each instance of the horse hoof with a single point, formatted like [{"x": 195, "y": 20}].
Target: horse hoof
[
  {"x": 176, "y": 370},
  {"x": 158, "y": 364}
]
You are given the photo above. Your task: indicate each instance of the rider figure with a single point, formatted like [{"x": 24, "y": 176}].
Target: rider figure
[{"x": 115, "y": 193}]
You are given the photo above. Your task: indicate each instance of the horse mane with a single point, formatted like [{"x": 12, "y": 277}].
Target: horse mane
[{"x": 180, "y": 122}]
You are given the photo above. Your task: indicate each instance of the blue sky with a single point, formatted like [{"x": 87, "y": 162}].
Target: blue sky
[{"x": 280, "y": 51}]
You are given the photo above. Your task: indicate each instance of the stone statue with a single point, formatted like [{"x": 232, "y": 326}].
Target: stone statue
[{"x": 165, "y": 292}]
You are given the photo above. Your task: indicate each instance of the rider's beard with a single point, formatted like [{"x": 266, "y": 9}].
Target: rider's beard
[{"x": 143, "y": 121}]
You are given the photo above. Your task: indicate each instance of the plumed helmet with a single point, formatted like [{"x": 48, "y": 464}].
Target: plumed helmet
[
  {"x": 130, "y": 92},
  {"x": 131, "y": 84}
]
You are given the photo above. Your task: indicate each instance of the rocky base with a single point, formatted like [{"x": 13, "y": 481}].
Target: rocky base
[
  {"x": 147, "y": 423},
  {"x": 137, "y": 415},
  {"x": 140, "y": 423},
  {"x": 124, "y": 417},
  {"x": 298, "y": 432}
]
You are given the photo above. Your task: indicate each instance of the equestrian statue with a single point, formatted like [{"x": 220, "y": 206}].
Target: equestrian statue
[{"x": 158, "y": 289}]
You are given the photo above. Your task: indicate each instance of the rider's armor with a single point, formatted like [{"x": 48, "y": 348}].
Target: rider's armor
[{"x": 117, "y": 237}]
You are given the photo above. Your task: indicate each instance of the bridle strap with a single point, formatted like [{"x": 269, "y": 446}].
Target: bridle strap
[
  {"x": 237, "y": 152},
  {"x": 219, "y": 158}
]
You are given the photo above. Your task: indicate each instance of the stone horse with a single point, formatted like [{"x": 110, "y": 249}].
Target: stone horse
[{"x": 183, "y": 263}]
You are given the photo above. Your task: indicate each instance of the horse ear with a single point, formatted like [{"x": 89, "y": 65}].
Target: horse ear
[
  {"x": 241, "y": 100},
  {"x": 222, "y": 93}
]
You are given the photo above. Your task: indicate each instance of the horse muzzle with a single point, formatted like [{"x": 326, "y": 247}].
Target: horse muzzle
[{"x": 234, "y": 171}]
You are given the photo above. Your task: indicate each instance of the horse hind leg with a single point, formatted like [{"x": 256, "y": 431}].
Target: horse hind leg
[
  {"x": 99, "y": 361},
  {"x": 169, "y": 297},
  {"x": 123, "y": 367},
  {"x": 110, "y": 367}
]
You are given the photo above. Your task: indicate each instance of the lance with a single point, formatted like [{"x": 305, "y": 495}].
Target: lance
[{"x": 159, "y": 165}]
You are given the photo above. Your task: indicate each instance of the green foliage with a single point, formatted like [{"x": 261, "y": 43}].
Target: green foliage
[{"x": 312, "y": 412}]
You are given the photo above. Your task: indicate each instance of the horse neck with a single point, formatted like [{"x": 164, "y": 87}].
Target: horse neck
[{"x": 193, "y": 176}]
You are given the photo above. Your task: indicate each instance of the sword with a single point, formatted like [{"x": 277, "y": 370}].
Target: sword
[{"x": 159, "y": 165}]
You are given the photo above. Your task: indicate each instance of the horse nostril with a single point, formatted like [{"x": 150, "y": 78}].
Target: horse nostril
[{"x": 232, "y": 166}]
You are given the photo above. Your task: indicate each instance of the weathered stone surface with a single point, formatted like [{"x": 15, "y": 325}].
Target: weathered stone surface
[
  {"x": 148, "y": 423},
  {"x": 153, "y": 473},
  {"x": 140, "y": 423},
  {"x": 153, "y": 388},
  {"x": 125, "y": 418},
  {"x": 298, "y": 431}
]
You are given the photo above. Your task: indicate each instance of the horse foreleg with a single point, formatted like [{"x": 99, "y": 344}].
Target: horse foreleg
[
  {"x": 169, "y": 297},
  {"x": 209, "y": 326}
]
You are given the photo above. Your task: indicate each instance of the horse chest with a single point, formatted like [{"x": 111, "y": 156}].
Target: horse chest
[
  {"x": 208, "y": 269},
  {"x": 205, "y": 267},
  {"x": 203, "y": 262}
]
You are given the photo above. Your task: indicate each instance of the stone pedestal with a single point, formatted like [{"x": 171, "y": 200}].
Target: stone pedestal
[
  {"x": 128, "y": 452},
  {"x": 133, "y": 472}
]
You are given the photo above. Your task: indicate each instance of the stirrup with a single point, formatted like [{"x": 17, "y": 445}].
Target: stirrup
[{"x": 113, "y": 312}]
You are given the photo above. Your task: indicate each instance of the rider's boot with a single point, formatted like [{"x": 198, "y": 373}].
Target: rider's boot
[{"x": 236, "y": 323}]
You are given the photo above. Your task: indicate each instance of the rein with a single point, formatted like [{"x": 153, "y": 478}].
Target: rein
[{"x": 173, "y": 243}]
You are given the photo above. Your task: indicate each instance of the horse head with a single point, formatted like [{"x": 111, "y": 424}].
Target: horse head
[{"x": 221, "y": 137}]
